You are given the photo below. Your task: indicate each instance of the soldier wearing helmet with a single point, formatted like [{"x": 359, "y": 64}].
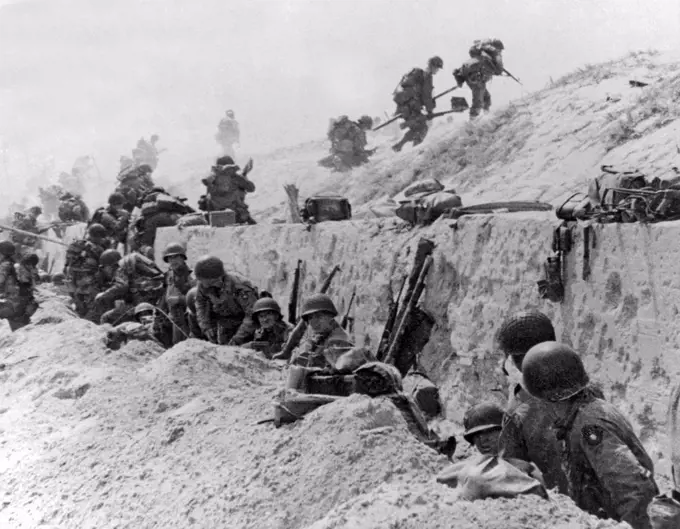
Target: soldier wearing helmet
[
  {"x": 224, "y": 303},
  {"x": 82, "y": 269},
  {"x": 144, "y": 314},
  {"x": 27, "y": 222},
  {"x": 348, "y": 143},
  {"x": 227, "y": 187},
  {"x": 11, "y": 304},
  {"x": 527, "y": 432},
  {"x": 137, "y": 280},
  {"x": 72, "y": 208},
  {"x": 178, "y": 281},
  {"x": 412, "y": 96},
  {"x": 108, "y": 266},
  {"x": 325, "y": 338},
  {"x": 271, "y": 330},
  {"x": 485, "y": 62},
  {"x": 27, "y": 278},
  {"x": 114, "y": 218},
  {"x": 228, "y": 133},
  {"x": 609, "y": 472}
]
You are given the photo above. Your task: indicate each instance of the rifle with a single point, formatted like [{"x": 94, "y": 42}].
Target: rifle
[
  {"x": 425, "y": 248},
  {"x": 301, "y": 326},
  {"x": 293, "y": 302},
  {"x": 347, "y": 319},
  {"x": 395, "y": 343},
  {"x": 41, "y": 237},
  {"x": 512, "y": 77},
  {"x": 429, "y": 117},
  {"x": 445, "y": 92},
  {"x": 389, "y": 324}
]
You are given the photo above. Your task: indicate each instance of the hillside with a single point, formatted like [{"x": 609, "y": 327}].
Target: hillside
[{"x": 541, "y": 147}]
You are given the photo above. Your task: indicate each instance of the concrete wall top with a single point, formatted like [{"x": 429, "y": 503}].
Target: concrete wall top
[{"x": 622, "y": 319}]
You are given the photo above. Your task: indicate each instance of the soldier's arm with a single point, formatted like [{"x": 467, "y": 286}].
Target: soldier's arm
[
  {"x": 119, "y": 289},
  {"x": 246, "y": 297},
  {"x": 203, "y": 315},
  {"x": 630, "y": 486},
  {"x": 4, "y": 274},
  {"x": 511, "y": 441}
]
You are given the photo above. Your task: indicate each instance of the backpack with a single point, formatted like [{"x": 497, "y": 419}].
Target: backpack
[
  {"x": 97, "y": 216},
  {"x": 424, "y": 209},
  {"x": 323, "y": 208},
  {"x": 77, "y": 255}
]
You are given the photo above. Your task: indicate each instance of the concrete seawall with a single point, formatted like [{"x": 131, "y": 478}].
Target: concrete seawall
[{"x": 623, "y": 319}]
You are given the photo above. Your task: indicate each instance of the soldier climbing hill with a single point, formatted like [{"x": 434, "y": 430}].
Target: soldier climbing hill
[
  {"x": 485, "y": 62},
  {"x": 228, "y": 133},
  {"x": 414, "y": 94},
  {"x": 348, "y": 143}
]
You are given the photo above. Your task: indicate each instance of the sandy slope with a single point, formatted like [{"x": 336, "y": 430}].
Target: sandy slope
[{"x": 91, "y": 438}]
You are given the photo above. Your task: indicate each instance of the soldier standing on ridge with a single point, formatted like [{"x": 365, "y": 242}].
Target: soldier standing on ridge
[
  {"x": 485, "y": 62},
  {"x": 114, "y": 218},
  {"x": 224, "y": 303},
  {"x": 325, "y": 333},
  {"x": 413, "y": 94},
  {"x": 228, "y": 133},
  {"x": 609, "y": 472},
  {"x": 11, "y": 302}
]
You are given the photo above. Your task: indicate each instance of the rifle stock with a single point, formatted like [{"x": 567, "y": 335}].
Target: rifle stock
[
  {"x": 346, "y": 318},
  {"x": 395, "y": 344},
  {"x": 512, "y": 76},
  {"x": 389, "y": 324},
  {"x": 293, "y": 302}
]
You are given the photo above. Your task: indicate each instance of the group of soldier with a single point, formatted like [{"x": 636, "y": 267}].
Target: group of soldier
[{"x": 415, "y": 104}]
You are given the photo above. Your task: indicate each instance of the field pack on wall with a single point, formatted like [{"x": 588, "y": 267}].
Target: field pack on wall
[
  {"x": 625, "y": 196},
  {"x": 425, "y": 201},
  {"x": 324, "y": 208}
]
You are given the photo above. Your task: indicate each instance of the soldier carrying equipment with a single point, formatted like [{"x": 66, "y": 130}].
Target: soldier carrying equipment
[
  {"x": 348, "y": 143},
  {"x": 486, "y": 60},
  {"x": 412, "y": 96}
]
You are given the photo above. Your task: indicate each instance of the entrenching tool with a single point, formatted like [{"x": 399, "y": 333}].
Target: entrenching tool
[{"x": 456, "y": 106}]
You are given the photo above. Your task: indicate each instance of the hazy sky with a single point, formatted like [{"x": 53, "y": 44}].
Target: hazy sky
[{"x": 79, "y": 76}]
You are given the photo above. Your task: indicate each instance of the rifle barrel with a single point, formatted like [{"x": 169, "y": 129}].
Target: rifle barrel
[{"x": 41, "y": 237}]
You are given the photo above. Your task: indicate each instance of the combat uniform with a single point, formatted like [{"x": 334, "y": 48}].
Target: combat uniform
[
  {"x": 228, "y": 134},
  {"x": 227, "y": 189},
  {"x": 477, "y": 72},
  {"x": 73, "y": 209},
  {"x": 11, "y": 304},
  {"x": 348, "y": 143},
  {"x": 137, "y": 280},
  {"x": 527, "y": 434},
  {"x": 192, "y": 321},
  {"x": 115, "y": 221},
  {"x": 275, "y": 337},
  {"x": 226, "y": 311},
  {"x": 310, "y": 353},
  {"x": 609, "y": 472},
  {"x": 178, "y": 283},
  {"x": 22, "y": 241},
  {"x": 82, "y": 273},
  {"x": 415, "y": 93}
]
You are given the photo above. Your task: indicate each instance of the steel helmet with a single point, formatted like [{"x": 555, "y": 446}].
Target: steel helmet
[
  {"x": 31, "y": 259},
  {"x": 435, "y": 62},
  {"x": 143, "y": 307},
  {"x": 483, "y": 417},
  {"x": 318, "y": 303},
  {"x": 553, "y": 371},
  {"x": 521, "y": 331},
  {"x": 7, "y": 248},
  {"x": 230, "y": 113},
  {"x": 191, "y": 299},
  {"x": 265, "y": 304},
  {"x": 116, "y": 199},
  {"x": 97, "y": 231},
  {"x": 173, "y": 249},
  {"x": 209, "y": 267},
  {"x": 497, "y": 43},
  {"x": 109, "y": 257},
  {"x": 36, "y": 209},
  {"x": 367, "y": 121}
]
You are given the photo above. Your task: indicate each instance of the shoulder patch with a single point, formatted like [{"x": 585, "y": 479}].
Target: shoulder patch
[{"x": 592, "y": 434}]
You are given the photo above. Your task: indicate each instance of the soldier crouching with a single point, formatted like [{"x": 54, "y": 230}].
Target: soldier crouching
[{"x": 272, "y": 331}]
